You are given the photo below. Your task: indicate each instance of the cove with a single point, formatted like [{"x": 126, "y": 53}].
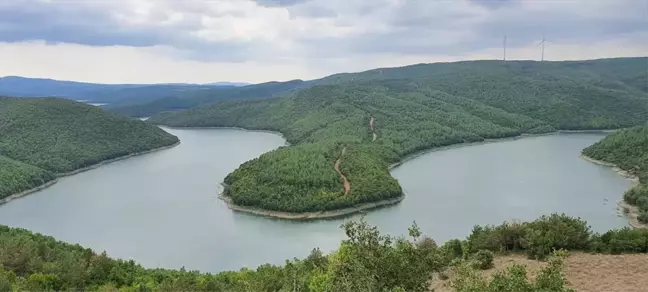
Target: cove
[{"x": 161, "y": 209}]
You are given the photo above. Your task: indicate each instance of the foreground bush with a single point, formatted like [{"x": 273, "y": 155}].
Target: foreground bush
[
  {"x": 483, "y": 260},
  {"x": 550, "y": 278},
  {"x": 366, "y": 261}
]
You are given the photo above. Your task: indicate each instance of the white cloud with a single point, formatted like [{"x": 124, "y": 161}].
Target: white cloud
[{"x": 245, "y": 40}]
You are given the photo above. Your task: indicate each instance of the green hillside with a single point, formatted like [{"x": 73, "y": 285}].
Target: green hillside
[
  {"x": 43, "y": 137},
  {"x": 16, "y": 177},
  {"x": 628, "y": 149},
  {"x": 414, "y": 108},
  {"x": 145, "y": 102}
]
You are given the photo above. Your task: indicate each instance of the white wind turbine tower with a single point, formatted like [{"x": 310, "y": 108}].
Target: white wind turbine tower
[
  {"x": 543, "y": 45},
  {"x": 504, "y": 43}
]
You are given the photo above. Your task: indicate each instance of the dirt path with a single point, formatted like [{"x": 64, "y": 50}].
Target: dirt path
[
  {"x": 347, "y": 185},
  {"x": 371, "y": 125}
]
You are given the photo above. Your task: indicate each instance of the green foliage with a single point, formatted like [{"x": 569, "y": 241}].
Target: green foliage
[
  {"x": 16, "y": 176},
  {"x": 548, "y": 233},
  {"x": 617, "y": 241},
  {"x": 40, "y": 137},
  {"x": 627, "y": 150},
  {"x": 483, "y": 259},
  {"x": 415, "y": 108},
  {"x": 366, "y": 261},
  {"x": 514, "y": 278}
]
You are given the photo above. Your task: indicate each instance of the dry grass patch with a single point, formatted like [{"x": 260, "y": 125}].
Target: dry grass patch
[{"x": 585, "y": 272}]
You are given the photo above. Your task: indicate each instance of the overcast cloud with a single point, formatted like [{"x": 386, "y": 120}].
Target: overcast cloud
[{"x": 258, "y": 40}]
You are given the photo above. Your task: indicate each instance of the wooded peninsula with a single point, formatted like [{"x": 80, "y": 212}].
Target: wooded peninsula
[{"x": 362, "y": 123}]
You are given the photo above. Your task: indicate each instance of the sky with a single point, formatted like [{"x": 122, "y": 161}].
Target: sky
[{"x": 201, "y": 41}]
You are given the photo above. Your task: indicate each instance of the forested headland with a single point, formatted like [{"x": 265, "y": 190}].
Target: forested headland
[
  {"x": 628, "y": 150},
  {"x": 366, "y": 261},
  {"x": 413, "y": 108},
  {"x": 41, "y": 138}
]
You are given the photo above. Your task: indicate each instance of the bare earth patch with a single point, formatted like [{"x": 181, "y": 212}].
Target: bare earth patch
[{"x": 585, "y": 272}]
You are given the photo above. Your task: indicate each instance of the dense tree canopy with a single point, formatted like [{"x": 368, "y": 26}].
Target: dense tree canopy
[
  {"x": 628, "y": 149},
  {"x": 415, "y": 108},
  {"x": 366, "y": 261},
  {"x": 40, "y": 138}
]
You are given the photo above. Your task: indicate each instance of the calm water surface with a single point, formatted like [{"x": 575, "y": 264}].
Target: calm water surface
[{"x": 162, "y": 210}]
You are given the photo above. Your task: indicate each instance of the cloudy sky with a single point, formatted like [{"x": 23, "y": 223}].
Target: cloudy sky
[{"x": 145, "y": 41}]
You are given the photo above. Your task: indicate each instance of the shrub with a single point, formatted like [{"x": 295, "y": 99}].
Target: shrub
[
  {"x": 502, "y": 238},
  {"x": 452, "y": 249},
  {"x": 551, "y": 278},
  {"x": 624, "y": 240},
  {"x": 483, "y": 259},
  {"x": 557, "y": 231},
  {"x": 643, "y": 217}
]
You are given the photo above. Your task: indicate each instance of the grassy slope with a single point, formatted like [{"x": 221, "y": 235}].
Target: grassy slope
[
  {"x": 58, "y": 136},
  {"x": 628, "y": 149},
  {"x": 416, "y": 108}
]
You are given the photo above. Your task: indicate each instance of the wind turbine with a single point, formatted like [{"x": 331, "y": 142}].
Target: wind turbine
[
  {"x": 542, "y": 43},
  {"x": 504, "y": 43}
]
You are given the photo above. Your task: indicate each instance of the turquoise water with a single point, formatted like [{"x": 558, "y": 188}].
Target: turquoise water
[{"x": 161, "y": 209}]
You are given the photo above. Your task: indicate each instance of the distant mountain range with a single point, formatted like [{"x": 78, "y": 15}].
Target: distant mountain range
[{"x": 17, "y": 86}]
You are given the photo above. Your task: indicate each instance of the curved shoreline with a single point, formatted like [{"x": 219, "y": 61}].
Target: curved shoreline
[
  {"x": 227, "y": 128},
  {"x": 366, "y": 206},
  {"x": 96, "y": 165},
  {"x": 633, "y": 211},
  {"x": 310, "y": 215},
  {"x": 494, "y": 140}
]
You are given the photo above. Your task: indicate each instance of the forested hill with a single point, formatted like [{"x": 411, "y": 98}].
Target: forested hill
[
  {"x": 472, "y": 102},
  {"x": 628, "y": 149},
  {"x": 102, "y": 93},
  {"x": 624, "y": 74},
  {"x": 144, "y": 104},
  {"x": 42, "y": 137}
]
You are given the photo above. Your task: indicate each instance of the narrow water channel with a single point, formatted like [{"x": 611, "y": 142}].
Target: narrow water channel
[{"x": 162, "y": 210}]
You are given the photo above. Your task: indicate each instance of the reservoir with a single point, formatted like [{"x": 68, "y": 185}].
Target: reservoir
[{"x": 161, "y": 209}]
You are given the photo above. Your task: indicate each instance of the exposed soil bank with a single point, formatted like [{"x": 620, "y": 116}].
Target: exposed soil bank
[
  {"x": 633, "y": 211},
  {"x": 59, "y": 175},
  {"x": 310, "y": 215}
]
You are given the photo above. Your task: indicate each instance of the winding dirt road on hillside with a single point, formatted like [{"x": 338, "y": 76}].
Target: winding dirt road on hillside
[
  {"x": 371, "y": 125},
  {"x": 347, "y": 185}
]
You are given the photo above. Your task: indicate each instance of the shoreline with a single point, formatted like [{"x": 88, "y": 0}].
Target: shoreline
[
  {"x": 227, "y": 128},
  {"x": 373, "y": 205},
  {"x": 90, "y": 167},
  {"x": 27, "y": 192},
  {"x": 333, "y": 214},
  {"x": 494, "y": 140},
  {"x": 633, "y": 211},
  {"x": 108, "y": 161}
]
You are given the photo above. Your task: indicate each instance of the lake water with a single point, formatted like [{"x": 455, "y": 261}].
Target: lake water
[{"x": 162, "y": 210}]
